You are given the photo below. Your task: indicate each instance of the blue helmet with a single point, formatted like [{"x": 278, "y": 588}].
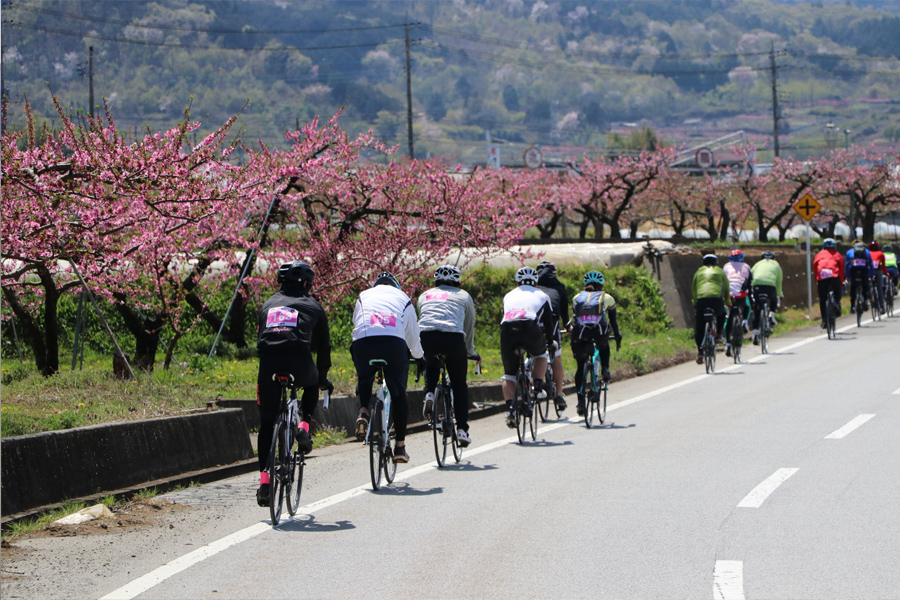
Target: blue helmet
[
  {"x": 594, "y": 277},
  {"x": 829, "y": 243}
]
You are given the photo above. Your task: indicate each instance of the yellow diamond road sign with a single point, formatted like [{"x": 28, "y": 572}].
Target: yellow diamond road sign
[{"x": 807, "y": 207}]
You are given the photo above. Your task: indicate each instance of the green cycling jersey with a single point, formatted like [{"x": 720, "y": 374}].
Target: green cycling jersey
[{"x": 768, "y": 272}]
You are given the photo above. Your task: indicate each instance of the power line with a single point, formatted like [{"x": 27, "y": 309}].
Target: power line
[
  {"x": 66, "y": 15},
  {"x": 193, "y": 46}
]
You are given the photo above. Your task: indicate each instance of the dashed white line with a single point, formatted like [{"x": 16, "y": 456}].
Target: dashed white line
[
  {"x": 896, "y": 392},
  {"x": 759, "y": 494},
  {"x": 728, "y": 580},
  {"x": 846, "y": 429}
]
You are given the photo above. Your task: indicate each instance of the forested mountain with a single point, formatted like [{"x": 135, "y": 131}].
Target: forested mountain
[{"x": 574, "y": 77}]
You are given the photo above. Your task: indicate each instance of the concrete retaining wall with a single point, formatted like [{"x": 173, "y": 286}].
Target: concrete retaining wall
[
  {"x": 677, "y": 273},
  {"x": 46, "y": 468}
]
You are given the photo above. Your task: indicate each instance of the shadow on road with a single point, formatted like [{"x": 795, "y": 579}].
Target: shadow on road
[
  {"x": 467, "y": 466},
  {"x": 403, "y": 488},
  {"x": 612, "y": 425},
  {"x": 308, "y": 523},
  {"x": 546, "y": 444}
]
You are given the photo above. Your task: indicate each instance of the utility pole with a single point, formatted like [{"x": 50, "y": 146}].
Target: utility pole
[
  {"x": 409, "y": 115},
  {"x": 91, "y": 78},
  {"x": 774, "y": 98}
]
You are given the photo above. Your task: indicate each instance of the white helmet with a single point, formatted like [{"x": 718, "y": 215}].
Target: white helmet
[
  {"x": 447, "y": 274},
  {"x": 526, "y": 276}
]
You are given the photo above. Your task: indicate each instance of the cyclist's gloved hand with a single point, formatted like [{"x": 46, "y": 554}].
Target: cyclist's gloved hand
[
  {"x": 552, "y": 347},
  {"x": 618, "y": 342},
  {"x": 420, "y": 364},
  {"x": 476, "y": 357},
  {"x": 326, "y": 386}
]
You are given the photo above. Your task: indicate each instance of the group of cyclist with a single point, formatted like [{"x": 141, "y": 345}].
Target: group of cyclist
[
  {"x": 292, "y": 325},
  {"x": 740, "y": 285},
  {"x": 745, "y": 287}
]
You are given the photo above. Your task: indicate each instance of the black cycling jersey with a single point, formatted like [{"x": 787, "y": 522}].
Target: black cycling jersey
[
  {"x": 292, "y": 321},
  {"x": 559, "y": 297}
]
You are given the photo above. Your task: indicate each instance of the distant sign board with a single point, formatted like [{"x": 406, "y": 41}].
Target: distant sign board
[
  {"x": 493, "y": 156},
  {"x": 533, "y": 158},
  {"x": 704, "y": 157}
]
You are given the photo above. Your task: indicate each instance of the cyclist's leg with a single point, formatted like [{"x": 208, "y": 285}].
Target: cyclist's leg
[
  {"x": 866, "y": 292},
  {"x": 580, "y": 350},
  {"x": 362, "y": 351},
  {"x": 396, "y": 374},
  {"x": 602, "y": 342},
  {"x": 308, "y": 401},
  {"x": 699, "y": 326},
  {"x": 879, "y": 289},
  {"x": 457, "y": 367},
  {"x": 536, "y": 345},
  {"x": 557, "y": 365},
  {"x": 431, "y": 346},
  {"x": 719, "y": 306},
  {"x": 268, "y": 400}
]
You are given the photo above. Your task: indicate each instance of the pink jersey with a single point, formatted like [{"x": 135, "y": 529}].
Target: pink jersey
[{"x": 737, "y": 273}]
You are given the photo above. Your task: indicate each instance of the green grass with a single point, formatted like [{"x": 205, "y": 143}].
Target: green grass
[
  {"x": 327, "y": 435},
  {"x": 24, "y": 527}
]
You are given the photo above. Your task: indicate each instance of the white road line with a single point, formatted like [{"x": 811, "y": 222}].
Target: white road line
[
  {"x": 896, "y": 392},
  {"x": 728, "y": 580},
  {"x": 160, "y": 574},
  {"x": 759, "y": 494},
  {"x": 846, "y": 429}
]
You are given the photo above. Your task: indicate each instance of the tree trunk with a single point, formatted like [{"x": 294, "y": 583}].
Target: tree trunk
[
  {"x": 547, "y": 230},
  {"x": 146, "y": 332},
  {"x": 726, "y": 220},
  {"x": 869, "y": 214}
]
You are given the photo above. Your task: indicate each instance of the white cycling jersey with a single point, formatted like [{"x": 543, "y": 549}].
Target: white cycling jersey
[
  {"x": 385, "y": 310},
  {"x": 525, "y": 302},
  {"x": 448, "y": 308}
]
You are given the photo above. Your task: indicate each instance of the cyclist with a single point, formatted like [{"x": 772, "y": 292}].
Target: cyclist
[
  {"x": 880, "y": 271},
  {"x": 860, "y": 269},
  {"x": 828, "y": 265},
  {"x": 767, "y": 279},
  {"x": 890, "y": 263},
  {"x": 709, "y": 289},
  {"x": 291, "y": 325},
  {"x": 739, "y": 282},
  {"x": 385, "y": 327},
  {"x": 447, "y": 326},
  {"x": 527, "y": 322},
  {"x": 559, "y": 301},
  {"x": 594, "y": 316}
]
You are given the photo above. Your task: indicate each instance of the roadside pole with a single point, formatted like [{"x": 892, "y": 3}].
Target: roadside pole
[{"x": 807, "y": 207}]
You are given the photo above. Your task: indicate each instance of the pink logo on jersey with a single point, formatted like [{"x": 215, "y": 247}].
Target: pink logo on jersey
[
  {"x": 859, "y": 262},
  {"x": 589, "y": 319},
  {"x": 281, "y": 316},
  {"x": 383, "y": 320},
  {"x": 515, "y": 314},
  {"x": 436, "y": 296}
]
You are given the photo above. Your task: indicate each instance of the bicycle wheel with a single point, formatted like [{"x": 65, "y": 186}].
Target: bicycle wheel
[
  {"x": 829, "y": 317},
  {"x": 601, "y": 403},
  {"x": 533, "y": 420},
  {"x": 451, "y": 423},
  {"x": 277, "y": 464},
  {"x": 543, "y": 406},
  {"x": 520, "y": 405},
  {"x": 376, "y": 447},
  {"x": 764, "y": 329},
  {"x": 876, "y": 316},
  {"x": 297, "y": 463},
  {"x": 387, "y": 455},
  {"x": 859, "y": 305},
  {"x": 590, "y": 389},
  {"x": 438, "y": 422},
  {"x": 709, "y": 348},
  {"x": 889, "y": 299}
]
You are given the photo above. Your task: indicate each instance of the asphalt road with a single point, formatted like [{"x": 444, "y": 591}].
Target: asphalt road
[{"x": 776, "y": 478}]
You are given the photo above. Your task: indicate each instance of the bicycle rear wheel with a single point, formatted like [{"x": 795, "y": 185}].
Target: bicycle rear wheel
[
  {"x": 544, "y": 406},
  {"x": 764, "y": 329},
  {"x": 590, "y": 389},
  {"x": 387, "y": 455},
  {"x": 438, "y": 422},
  {"x": 520, "y": 405},
  {"x": 601, "y": 403},
  {"x": 859, "y": 305},
  {"x": 376, "y": 447},
  {"x": 876, "y": 316},
  {"x": 533, "y": 420},
  {"x": 737, "y": 336},
  {"x": 709, "y": 349},
  {"x": 829, "y": 317},
  {"x": 889, "y": 299},
  {"x": 451, "y": 423},
  {"x": 278, "y": 459}
]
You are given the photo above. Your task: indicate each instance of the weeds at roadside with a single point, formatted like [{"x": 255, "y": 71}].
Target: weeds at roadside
[{"x": 326, "y": 435}]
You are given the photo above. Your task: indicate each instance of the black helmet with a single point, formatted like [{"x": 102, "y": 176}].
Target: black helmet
[
  {"x": 385, "y": 278},
  {"x": 768, "y": 255},
  {"x": 546, "y": 267},
  {"x": 295, "y": 272},
  {"x": 710, "y": 260}
]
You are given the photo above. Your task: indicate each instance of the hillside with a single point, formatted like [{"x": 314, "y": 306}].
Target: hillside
[{"x": 572, "y": 77}]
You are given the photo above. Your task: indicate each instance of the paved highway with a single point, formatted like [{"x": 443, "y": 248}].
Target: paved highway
[{"x": 777, "y": 478}]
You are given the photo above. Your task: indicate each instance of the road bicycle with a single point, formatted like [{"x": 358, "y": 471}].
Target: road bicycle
[
  {"x": 736, "y": 328},
  {"x": 765, "y": 324},
  {"x": 593, "y": 390},
  {"x": 378, "y": 433},
  {"x": 285, "y": 467},
  {"x": 525, "y": 411},
  {"x": 443, "y": 419},
  {"x": 831, "y": 312},
  {"x": 889, "y": 296},
  {"x": 858, "y": 302},
  {"x": 873, "y": 292},
  {"x": 708, "y": 345}
]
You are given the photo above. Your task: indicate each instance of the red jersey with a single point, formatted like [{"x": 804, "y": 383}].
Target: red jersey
[
  {"x": 878, "y": 260},
  {"x": 829, "y": 263}
]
